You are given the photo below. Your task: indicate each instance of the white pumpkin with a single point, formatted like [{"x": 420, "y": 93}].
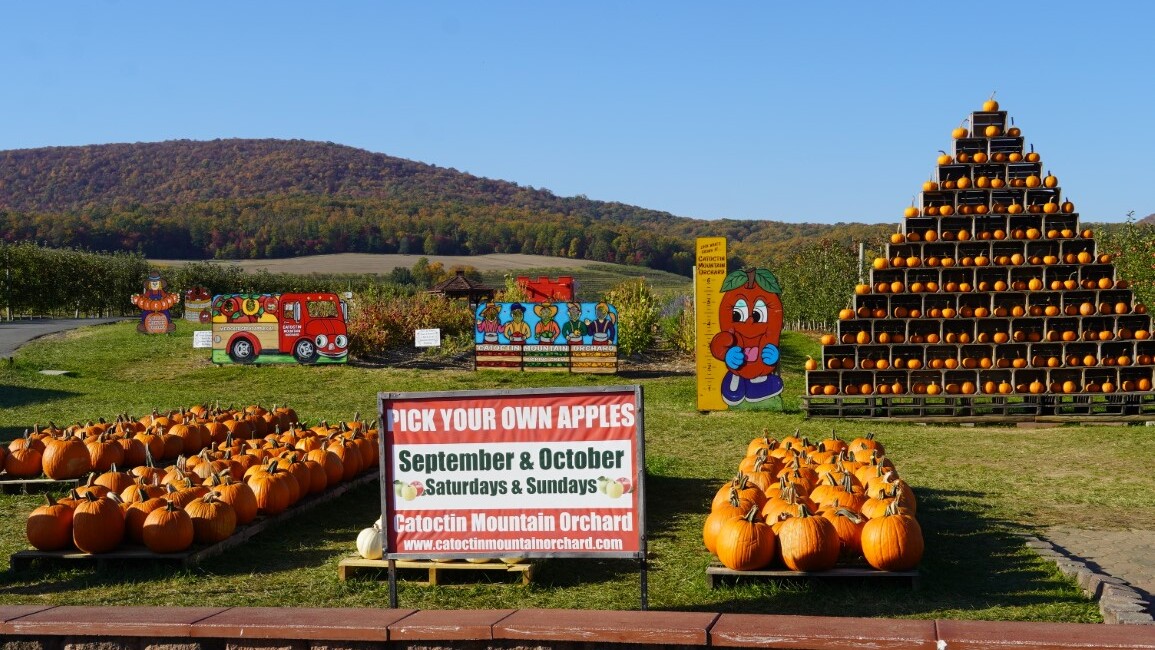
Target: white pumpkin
[{"x": 369, "y": 543}]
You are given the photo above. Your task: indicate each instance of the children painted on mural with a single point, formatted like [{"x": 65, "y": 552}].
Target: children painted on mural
[
  {"x": 488, "y": 324},
  {"x": 546, "y": 329},
  {"x": 517, "y": 330},
  {"x": 574, "y": 330},
  {"x": 604, "y": 326}
]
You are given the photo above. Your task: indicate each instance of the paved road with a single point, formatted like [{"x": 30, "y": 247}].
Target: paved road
[{"x": 15, "y": 333}]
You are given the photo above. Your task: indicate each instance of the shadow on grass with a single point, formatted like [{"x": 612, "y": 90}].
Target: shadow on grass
[
  {"x": 972, "y": 563},
  {"x": 680, "y": 498},
  {"x": 16, "y": 396}
]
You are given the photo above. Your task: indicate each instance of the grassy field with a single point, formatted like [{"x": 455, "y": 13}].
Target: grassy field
[{"x": 979, "y": 489}]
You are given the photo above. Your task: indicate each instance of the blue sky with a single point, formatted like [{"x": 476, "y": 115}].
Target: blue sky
[{"x": 796, "y": 112}]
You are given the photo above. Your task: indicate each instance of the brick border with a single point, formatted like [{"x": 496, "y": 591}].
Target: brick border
[
  {"x": 1119, "y": 602},
  {"x": 33, "y": 627}
]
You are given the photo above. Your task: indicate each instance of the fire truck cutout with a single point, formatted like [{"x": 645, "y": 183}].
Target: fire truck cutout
[{"x": 279, "y": 328}]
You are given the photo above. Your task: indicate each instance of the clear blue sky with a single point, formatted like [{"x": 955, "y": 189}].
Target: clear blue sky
[{"x": 797, "y": 112}]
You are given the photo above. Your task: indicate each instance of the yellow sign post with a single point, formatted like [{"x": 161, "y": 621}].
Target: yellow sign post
[{"x": 709, "y": 274}]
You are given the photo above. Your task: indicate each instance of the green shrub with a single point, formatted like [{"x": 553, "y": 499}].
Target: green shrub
[
  {"x": 638, "y": 311},
  {"x": 385, "y": 320},
  {"x": 677, "y": 324}
]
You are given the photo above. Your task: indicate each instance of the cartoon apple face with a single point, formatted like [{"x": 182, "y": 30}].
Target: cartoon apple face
[{"x": 751, "y": 315}]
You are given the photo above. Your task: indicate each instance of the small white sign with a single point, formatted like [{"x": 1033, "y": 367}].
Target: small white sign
[
  {"x": 427, "y": 338},
  {"x": 203, "y": 339}
]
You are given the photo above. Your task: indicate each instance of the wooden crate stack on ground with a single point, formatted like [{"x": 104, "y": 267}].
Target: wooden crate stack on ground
[{"x": 991, "y": 300}]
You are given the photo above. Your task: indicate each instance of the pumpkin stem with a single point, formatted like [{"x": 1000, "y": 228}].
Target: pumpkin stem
[{"x": 850, "y": 514}]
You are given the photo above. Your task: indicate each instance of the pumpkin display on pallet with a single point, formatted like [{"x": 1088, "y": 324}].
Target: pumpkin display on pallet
[
  {"x": 817, "y": 509},
  {"x": 991, "y": 299},
  {"x": 239, "y": 473}
]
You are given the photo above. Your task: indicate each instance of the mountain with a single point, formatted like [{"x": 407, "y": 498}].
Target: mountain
[{"x": 278, "y": 198}]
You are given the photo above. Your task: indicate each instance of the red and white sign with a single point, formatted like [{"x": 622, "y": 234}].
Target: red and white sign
[{"x": 525, "y": 473}]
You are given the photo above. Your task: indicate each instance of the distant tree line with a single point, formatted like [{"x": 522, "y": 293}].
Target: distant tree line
[{"x": 255, "y": 199}]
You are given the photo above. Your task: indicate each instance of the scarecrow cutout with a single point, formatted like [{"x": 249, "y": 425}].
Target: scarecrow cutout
[
  {"x": 749, "y": 324},
  {"x": 155, "y": 303}
]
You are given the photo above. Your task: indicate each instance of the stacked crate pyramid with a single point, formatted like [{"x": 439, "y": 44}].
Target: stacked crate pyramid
[{"x": 991, "y": 301}]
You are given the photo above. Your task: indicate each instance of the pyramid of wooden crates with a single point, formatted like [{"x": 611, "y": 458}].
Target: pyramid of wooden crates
[{"x": 990, "y": 302}]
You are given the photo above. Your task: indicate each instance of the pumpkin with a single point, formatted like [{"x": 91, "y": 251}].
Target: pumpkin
[
  {"x": 24, "y": 459},
  {"x": 892, "y": 542},
  {"x": 370, "y": 542},
  {"x": 213, "y": 520},
  {"x": 168, "y": 529},
  {"x": 237, "y": 494},
  {"x": 272, "y": 489},
  {"x": 97, "y": 524},
  {"x": 66, "y": 458},
  {"x": 808, "y": 542},
  {"x": 719, "y": 514},
  {"x": 848, "y": 524},
  {"x": 49, "y": 527},
  {"x": 104, "y": 452},
  {"x": 745, "y": 543},
  {"x": 135, "y": 512}
]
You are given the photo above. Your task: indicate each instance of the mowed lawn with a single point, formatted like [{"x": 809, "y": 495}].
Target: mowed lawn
[{"x": 979, "y": 489}]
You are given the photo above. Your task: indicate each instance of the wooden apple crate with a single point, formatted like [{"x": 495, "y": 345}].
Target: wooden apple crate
[
  {"x": 435, "y": 569},
  {"x": 1024, "y": 283}
]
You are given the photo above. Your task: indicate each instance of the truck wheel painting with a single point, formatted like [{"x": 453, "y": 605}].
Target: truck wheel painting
[{"x": 306, "y": 328}]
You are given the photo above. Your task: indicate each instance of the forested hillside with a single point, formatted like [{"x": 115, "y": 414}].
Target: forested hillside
[{"x": 234, "y": 199}]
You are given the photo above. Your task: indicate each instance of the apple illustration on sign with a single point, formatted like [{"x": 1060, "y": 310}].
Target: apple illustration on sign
[{"x": 408, "y": 491}]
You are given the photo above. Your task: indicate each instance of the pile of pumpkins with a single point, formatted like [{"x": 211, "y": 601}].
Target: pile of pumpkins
[
  {"x": 809, "y": 507},
  {"x": 232, "y": 474}
]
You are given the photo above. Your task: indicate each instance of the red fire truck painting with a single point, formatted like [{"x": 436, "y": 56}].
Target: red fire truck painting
[{"x": 279, "y": 328}]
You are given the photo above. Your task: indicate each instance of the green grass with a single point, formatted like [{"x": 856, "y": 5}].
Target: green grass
[{"x": 979, "y": 489}]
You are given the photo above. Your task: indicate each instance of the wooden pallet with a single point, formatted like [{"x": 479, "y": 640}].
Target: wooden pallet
[
  {"x": 192, "y": 556},
  {"x": 986, "y": 409},
  {"x": 715, "y": 573},
  {"x": 436, "y": 569},
  {"x": 29, "y": 485}
]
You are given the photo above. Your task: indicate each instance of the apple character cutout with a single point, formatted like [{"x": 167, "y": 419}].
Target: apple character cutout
[{"x": 750, "y": 324}]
